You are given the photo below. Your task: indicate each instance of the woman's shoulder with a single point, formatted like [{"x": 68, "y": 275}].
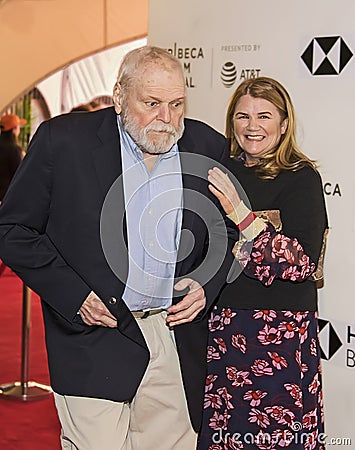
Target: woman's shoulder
[
  {"x": 305, "y": 184},
  {"x": 306, "y": 173},
  {"x": 8, "y": 146}
]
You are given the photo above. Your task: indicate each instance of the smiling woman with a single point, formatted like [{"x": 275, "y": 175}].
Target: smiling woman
[
  {"x": 264, "y": 376},
  {"x": 258, "y": 127},
  {"x": 267, "y": 101}
]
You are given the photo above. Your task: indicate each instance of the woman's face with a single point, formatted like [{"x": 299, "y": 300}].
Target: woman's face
[
  {"x": 16, "y": 130},
  {"x": 257, "y": 127}
]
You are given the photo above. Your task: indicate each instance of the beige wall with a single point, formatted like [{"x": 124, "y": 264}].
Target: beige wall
[{"x": 38, "y": 37}]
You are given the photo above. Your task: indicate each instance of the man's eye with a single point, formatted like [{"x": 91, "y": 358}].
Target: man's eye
[
  {"x": 151, "y": 104},
  {"x": 177, "y": 104}
]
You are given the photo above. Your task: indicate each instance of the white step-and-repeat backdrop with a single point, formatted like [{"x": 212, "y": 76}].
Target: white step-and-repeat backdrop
[{"x": 308, "y": 46}]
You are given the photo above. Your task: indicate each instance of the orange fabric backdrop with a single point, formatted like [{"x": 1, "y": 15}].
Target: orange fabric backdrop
[{"x": 38, "y": 37}]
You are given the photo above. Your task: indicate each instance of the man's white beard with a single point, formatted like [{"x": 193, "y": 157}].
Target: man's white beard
[{"x": 141, "y": 136}]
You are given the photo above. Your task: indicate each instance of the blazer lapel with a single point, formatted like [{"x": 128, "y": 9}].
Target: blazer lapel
[
  {"x": 108, "y": 165},
  {"x": 191, "y": 184},
  {"x": 107, "y": 152}
]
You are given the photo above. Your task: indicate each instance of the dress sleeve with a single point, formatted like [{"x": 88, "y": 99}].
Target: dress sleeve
[
  {"x": 292, "y": 254},
  {"x": 275, "y": 255}
]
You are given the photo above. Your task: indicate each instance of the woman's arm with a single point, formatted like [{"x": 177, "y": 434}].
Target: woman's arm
[{"x": 273, "y": 254}]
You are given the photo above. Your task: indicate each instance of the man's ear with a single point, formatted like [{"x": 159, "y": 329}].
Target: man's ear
[{"x": 117, "y": 97}]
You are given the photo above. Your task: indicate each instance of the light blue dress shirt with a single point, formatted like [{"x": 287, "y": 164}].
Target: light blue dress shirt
[{"x": 153, "y": 203}]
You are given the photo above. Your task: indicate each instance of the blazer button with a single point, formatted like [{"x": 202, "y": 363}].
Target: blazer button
[{"x": 112, "y": 301}]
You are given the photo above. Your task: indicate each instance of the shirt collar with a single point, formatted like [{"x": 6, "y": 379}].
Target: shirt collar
[{"x": 242, "y": 157}]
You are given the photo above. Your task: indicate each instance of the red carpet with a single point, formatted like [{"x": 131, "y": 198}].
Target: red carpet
[{"x": 23, "y": 425}]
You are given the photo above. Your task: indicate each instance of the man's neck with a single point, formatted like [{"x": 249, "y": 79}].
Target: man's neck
[{"x": 149, "y": 161}]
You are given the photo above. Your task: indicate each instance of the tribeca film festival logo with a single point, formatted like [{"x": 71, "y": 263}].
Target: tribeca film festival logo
[
  {"x": 189, "y": 54},
  {"x": 229, "y": 74},
  {"x": 327, "y": 55}
]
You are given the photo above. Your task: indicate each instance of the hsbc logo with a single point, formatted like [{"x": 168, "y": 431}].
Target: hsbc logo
[
  {"x": 337, "y": 342},
  {"x": 327, "y": 55},
  {"x": 330, "y": 342}
]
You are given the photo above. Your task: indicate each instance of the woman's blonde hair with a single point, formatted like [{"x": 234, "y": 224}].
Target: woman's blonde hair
[{"x": 287, "y": 156}]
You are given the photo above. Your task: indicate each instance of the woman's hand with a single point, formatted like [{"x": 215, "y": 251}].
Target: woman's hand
[{"x": 222, "y": 187}]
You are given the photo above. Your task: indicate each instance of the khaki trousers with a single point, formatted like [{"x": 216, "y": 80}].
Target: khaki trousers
[{"x": 156, "y": 419}]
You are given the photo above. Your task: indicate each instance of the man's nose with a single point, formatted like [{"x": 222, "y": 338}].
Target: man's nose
[{"x": 164, "y": 113}]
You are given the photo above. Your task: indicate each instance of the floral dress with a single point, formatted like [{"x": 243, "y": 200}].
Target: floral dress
[{"x": 263, "y": 388}]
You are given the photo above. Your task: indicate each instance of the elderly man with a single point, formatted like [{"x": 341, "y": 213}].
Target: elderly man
[{"x": 112, "y": 227}]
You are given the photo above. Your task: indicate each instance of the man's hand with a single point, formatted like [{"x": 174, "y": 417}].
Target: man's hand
[
  {"x": 94, "y": 312},
  {"x": 188, "y": 308}
]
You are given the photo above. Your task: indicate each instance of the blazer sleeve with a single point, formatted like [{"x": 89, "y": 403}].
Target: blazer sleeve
[
  {"x": 214, "y": 286},
  {"x": 25, "y": 243}
]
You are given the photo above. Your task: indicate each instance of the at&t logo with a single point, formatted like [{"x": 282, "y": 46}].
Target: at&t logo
[{"x": 229, "y": 74}]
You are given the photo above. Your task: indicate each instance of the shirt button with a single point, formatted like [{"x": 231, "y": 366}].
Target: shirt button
[{"x": 112, "y": 301}]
